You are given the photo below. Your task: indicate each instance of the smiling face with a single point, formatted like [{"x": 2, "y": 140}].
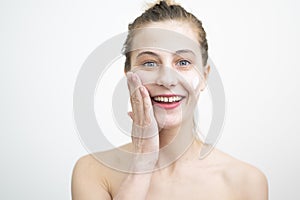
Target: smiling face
[{"x": 167, "y": 57}]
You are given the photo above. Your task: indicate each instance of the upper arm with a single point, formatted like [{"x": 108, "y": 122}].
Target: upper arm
[
  {"x": 254, "y": 185},
  {"x": 258, "y": 185},
  {"x": 87, "y": 184}
]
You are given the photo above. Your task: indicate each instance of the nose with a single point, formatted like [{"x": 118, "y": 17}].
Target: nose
[{"x": 167, "y": 77}]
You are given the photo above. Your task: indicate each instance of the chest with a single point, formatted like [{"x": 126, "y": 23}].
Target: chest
[
  {"x": 190, "y": 184},
  {"x": 191, "y": 187}
]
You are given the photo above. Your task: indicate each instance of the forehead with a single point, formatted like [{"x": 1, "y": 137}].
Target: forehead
[{"x": 169, "y": 36}]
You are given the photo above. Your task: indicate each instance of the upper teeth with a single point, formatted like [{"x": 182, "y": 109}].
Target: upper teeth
[{"x": 168, "y": 99}]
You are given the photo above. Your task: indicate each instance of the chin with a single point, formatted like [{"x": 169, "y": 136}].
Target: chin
[{"x": 169, "y": 121}]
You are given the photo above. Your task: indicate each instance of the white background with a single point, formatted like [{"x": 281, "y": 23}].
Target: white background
[{"x": 43, "y": 44}]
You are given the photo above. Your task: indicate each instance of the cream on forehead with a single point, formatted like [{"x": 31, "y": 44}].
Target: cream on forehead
[
  {"x": 181, "y": 27},
  {"x": 163, "y": 39}
]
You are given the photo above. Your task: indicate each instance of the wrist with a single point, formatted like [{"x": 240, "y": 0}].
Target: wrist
[{"x": 144, "y": 162}]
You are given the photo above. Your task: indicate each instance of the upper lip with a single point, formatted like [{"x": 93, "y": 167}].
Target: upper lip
[{"x": 167, "y": 95}]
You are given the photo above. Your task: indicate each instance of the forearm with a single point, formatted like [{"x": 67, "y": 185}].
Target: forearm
[
  {"x": 134, "y": 187},
  {"x": 145, "y": 141}
]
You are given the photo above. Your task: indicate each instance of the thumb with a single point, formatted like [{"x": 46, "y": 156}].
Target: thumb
[{"x": 130, "y": 114}]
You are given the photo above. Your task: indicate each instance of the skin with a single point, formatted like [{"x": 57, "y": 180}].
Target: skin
[{"x": 165, "y": 71}]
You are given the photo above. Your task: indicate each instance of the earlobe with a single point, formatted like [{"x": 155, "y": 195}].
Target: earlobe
[{"x": 206, "y": 71}]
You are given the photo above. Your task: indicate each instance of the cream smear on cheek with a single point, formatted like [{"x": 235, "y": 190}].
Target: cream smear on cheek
[
  {"x": 187, "y": 85},
  {"x": 195, "y": 83}
]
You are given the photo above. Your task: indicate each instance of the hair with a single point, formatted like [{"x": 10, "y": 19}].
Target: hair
[{"x": 164, "y": 10}]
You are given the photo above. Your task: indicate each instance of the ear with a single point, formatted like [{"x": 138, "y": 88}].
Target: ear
[{"x": 206, "y": 71}]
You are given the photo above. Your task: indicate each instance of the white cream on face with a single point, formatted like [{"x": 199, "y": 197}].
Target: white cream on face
[
  {"x": 166, "y": 35},
  {"x": 195, "y": 83},
  {"x": 165, "y": 44}
]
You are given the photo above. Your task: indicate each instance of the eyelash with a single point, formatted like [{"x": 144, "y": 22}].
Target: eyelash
[
  {"x": 179, "y": 64},
  {"x": 146, "y": 64},
  {"x": 188, "y": 62}
]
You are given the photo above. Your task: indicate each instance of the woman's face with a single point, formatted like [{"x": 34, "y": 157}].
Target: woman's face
[{"x": 167, "y": 58}]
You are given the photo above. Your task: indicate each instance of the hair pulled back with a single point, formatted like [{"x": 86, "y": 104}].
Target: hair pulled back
[{"x": 164, "y": 10}]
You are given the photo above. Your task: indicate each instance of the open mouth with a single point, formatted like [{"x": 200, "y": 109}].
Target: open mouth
[{"x": 167, "y": 101}]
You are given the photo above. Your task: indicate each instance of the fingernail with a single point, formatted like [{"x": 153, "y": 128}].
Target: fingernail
[{"x": 142, "y": 90}]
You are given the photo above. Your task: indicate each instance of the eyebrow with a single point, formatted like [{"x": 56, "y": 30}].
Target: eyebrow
[
  {"x": 184, "y": 51},
  {"x": 178, "y": 52},
  {"x": 147, "y": 53}
]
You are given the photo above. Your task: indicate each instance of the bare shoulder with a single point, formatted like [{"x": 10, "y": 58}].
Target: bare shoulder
[
  {"x": 88, "y": 181},
  {"x": 88, "y": 167},
  {"x": 250, "y": 181},
  {"x": 92, "y": 179}
]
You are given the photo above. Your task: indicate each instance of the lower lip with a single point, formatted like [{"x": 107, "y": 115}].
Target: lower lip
[{"x": 167, "y": 105}]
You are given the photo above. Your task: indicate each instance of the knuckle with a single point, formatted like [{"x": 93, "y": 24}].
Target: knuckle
[
  {"x": 138, "y": 122},
  {"x": 135, "y": 99},
  {"x": 147, "y": 105},
  {"x": 147, "y": 120}
]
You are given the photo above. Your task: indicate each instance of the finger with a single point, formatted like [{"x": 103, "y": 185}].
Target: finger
[
  {"x": 133, "y": 82},
  {"x": 149, "y": 118},
  {"x": 130, "y": 114},
  {"x": 148, "y": 110},
  {"x": 137, "y": 107},
  {"x": 136, "y": 99}
]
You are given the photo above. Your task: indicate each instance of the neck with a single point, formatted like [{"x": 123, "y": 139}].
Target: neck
[
  {"x": 168, "y": 135},
  {"x": 178, "y": 144}
]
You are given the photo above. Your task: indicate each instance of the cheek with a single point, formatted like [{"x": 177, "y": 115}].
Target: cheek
[
  {"x": 195, "y": 82},
  {"x": 146, "y": 77}
]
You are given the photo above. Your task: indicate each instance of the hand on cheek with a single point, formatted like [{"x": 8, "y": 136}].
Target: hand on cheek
[{"x": 144, "y": 128}]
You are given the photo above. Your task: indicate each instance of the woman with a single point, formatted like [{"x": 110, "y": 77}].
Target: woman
[{"x": 166, "y": 68}]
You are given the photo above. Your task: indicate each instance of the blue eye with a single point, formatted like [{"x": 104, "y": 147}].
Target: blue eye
[
  {"x": 183, "y": 63},
  {"x": 150, "y": 64}
]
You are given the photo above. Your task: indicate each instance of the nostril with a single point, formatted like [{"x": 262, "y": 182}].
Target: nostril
[
  {"x": 167, "y": 78},
  {"x": 167, "y": 83}
]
